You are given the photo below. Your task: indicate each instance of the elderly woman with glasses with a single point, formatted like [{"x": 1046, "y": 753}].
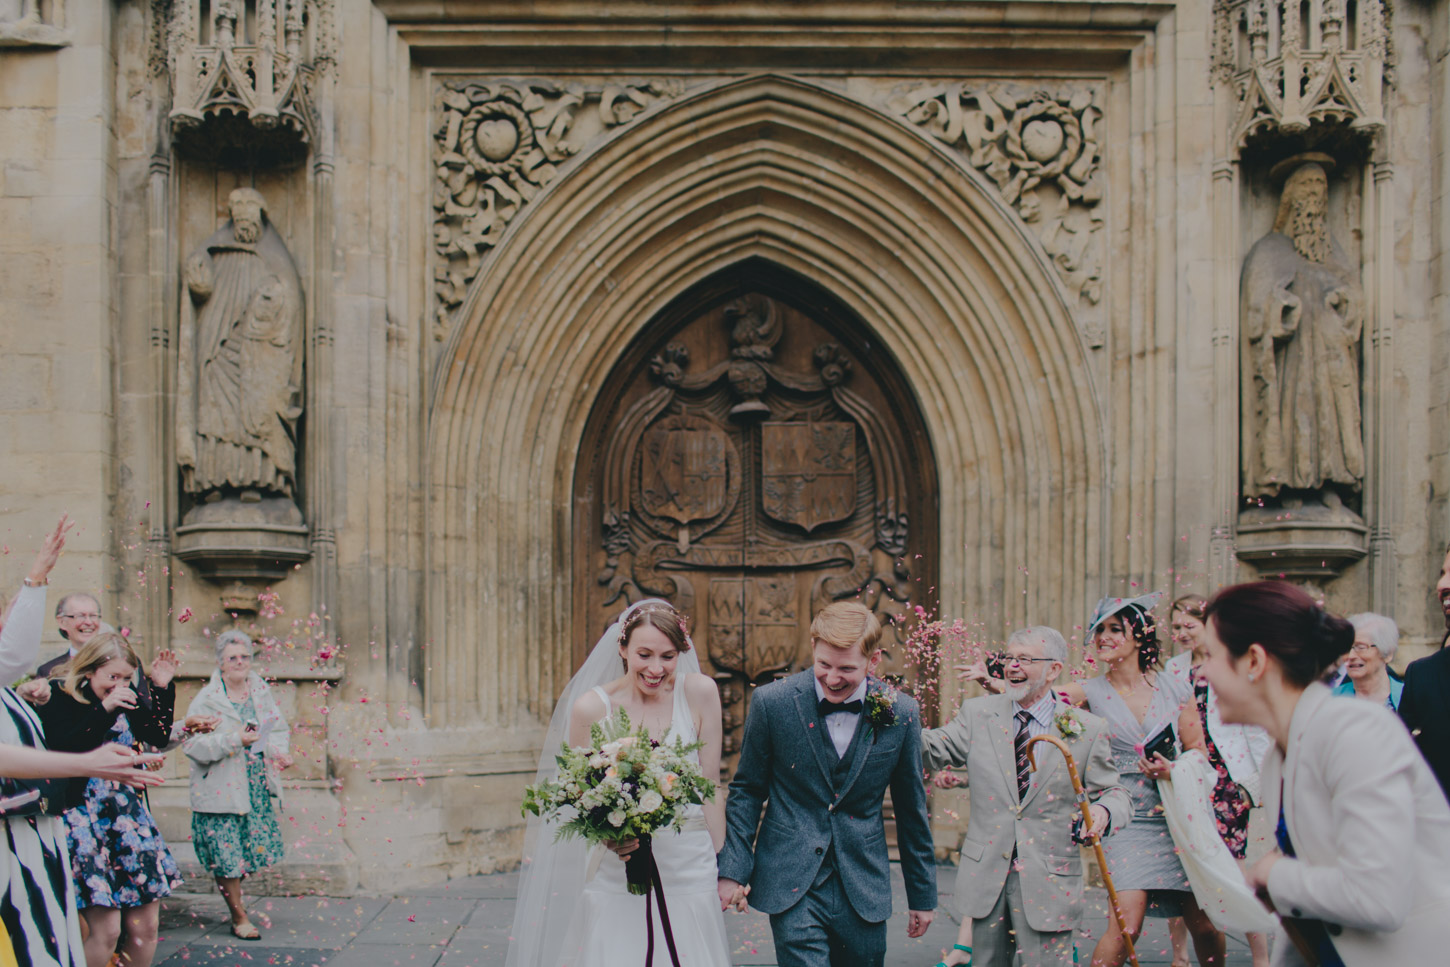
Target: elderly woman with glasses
[
  {"x": 234, "y": 826},
  {"x": 1368, "y": 675}
]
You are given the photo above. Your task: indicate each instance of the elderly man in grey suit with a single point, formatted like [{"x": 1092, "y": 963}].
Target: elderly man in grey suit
[
  {"x": 822, "y": 747},
  {"x": 1020, "y": 878}
]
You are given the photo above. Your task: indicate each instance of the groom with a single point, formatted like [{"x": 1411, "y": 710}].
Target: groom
[{"x": 823, "y": 746}]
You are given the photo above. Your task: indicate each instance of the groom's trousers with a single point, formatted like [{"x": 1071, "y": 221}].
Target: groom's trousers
[
  {"x": 824, "y": 930},
  {"x": 997, "y": 938}
]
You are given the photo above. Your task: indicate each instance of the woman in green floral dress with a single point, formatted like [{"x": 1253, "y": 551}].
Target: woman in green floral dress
[{"x": 234, "y": 826}]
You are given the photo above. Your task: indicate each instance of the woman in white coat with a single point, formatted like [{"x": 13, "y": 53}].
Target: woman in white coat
[
  {"x": 1363, "y": 828},
  {"x": 234, "y": 826}
]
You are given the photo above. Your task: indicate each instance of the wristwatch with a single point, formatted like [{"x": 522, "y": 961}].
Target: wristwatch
[{"x": 33, "y": 584}]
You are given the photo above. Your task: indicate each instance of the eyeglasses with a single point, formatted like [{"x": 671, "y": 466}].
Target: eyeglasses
[
  {"x": 1009, "y": 659},
  {"x": 87, "y": 616},
  {"x": 237, "y": 659},
  {"x": 1363, "y": 648}
]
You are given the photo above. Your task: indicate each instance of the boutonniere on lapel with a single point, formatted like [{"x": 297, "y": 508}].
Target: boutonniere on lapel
[
  {"x": 1068, "y": 724},
  {"x": 880, "y": 706}
]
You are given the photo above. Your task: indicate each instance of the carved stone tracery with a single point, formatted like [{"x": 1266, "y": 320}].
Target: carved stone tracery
[
  {"x": 496, "y": 144},
  {"x": 1041, "y": 149},
  {"x": 1292, "y": 64}
]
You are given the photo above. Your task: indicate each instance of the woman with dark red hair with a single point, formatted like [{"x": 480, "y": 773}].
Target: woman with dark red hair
[{"x": 1362, "y": 826}]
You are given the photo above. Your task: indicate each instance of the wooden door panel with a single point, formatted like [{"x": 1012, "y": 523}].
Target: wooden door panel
[{"x": 753, "y": 460}]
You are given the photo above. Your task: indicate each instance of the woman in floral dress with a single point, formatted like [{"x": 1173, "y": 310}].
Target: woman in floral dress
[
  {"x": 119, "y": 863},
  {"x": 233, "y": 822}
]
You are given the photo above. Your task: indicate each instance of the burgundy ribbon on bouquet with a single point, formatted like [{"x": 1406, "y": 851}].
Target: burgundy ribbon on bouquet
[{"x": 656, "y": 886}]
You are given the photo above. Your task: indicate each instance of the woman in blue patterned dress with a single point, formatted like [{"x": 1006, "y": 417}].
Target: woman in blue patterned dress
[
  {"x": 234, "y": 825},
  {"x": 120, "y": 865}
]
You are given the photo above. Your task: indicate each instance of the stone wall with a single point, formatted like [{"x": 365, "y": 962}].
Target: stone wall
[{"x": 1039, "y": 210}]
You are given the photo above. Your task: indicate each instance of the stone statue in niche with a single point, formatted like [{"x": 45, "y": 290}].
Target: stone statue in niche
[
  {"x": 1301, "y": 310},
  {"x": 239, "y": 384}
]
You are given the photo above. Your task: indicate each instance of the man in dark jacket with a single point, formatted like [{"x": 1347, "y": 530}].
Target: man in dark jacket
[{"x": 1425, "y": 704}]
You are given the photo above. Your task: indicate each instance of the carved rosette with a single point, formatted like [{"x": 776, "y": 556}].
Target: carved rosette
[
  {"x": 1288, "y": 72},
  {"x": 1040, "y": 149},
  {"x": 496, "y": 144}
]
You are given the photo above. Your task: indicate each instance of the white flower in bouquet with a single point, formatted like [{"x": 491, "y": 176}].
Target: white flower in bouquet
[
  {"x": 650, "y": 801},
  {"x": 616, "y": 818}
]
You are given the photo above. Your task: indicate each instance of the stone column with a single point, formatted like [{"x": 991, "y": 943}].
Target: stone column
[{"x": 1380, "y": 397}]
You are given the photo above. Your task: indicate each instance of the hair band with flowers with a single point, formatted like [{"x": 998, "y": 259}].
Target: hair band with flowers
[{"x": 1068, "y": 724}]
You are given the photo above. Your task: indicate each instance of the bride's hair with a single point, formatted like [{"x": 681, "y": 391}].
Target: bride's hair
[{"x": 661, "y": 617}]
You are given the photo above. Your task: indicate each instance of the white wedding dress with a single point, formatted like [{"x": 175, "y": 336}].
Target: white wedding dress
[{"x": 608, "y": 925}]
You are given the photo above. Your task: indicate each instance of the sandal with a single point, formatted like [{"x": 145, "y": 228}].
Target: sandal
[
  {"x": 246, "y": 930},
  {"x": 967, "y": 950}
]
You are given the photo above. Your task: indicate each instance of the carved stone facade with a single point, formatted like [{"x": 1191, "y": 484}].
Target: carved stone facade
[{"x": 752, "y": 305}]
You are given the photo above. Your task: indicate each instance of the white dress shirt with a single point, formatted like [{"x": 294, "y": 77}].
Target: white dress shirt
[{"x": 840, "y": 726}]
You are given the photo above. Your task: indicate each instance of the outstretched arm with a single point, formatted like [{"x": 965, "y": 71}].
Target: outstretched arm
[{"x": 947, "y": 747}]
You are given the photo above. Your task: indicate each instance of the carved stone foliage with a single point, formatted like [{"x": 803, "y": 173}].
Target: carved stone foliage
[
  {"x": 244, "y": 76},
  {"x": 496, "y": 144},
  {"x": 1292, "y": 64},
  {"x": 752, "y": 489},
  {"x": 1040, "y": 147}
]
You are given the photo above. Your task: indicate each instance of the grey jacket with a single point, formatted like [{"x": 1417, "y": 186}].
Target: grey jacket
[
  {"x": 218, "y": 768},
  {"x": 1039, "y": 827},
  {"x": 784, "y": 758}
]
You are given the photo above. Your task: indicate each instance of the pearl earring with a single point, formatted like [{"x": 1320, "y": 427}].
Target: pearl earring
[{"x": 1252, "y": 678}]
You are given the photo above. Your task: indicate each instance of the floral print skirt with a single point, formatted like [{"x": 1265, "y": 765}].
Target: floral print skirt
[
  {"x": 231, "y": 845},
  {"x": 117, "y": 856}
]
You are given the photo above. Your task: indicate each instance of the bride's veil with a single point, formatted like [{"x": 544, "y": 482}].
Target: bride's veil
[{"x": 552, "y": 876}]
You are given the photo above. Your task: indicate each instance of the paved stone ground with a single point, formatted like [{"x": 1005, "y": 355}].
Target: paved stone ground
[{"x": 465, "y": 923}]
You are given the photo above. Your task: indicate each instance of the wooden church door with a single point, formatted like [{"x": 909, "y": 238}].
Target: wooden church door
[{"x": 753, "y": 459}]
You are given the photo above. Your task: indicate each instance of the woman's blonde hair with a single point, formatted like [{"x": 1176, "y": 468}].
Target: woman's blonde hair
[
  {"x": 847, "y": 625},
  {"x": 102, "y": 648}
]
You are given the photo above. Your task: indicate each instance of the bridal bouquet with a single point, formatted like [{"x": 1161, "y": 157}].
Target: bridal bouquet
[{"x": 624, "y": 786}]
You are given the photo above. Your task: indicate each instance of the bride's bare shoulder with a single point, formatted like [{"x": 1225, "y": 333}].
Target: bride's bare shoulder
[
  {"x": 588, "y": 707},
  {"x": 701, "y": 689}
]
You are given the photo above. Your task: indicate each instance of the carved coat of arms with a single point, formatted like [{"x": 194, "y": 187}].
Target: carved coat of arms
[
  {"x": 808, "y": 472},
  {"x": 684, "y": 469}
]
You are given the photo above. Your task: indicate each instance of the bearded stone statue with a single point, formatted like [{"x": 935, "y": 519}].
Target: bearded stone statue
[
  {"x": 1301, "y": 310},
  {"x": 239, "y": 384}
]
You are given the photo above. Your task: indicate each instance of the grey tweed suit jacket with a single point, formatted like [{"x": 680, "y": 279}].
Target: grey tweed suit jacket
[
  {"x": 1039, "y": 825},
  {"x": 784, "y": 759}
]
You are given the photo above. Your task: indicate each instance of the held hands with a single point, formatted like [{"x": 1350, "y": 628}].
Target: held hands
[
  {"x": 917, "y": 921},
  {"x": 163, "y": 669},
  {"x": 732, "y": 895},
  {"x": 122, "y": 696},
  {"x": 250, "y": 735}
]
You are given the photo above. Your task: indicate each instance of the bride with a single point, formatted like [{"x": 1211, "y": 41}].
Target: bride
[{"x": 573, "y": 906}]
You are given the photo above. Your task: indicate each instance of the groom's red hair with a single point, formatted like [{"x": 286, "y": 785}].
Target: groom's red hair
[{"x": 847, "y": 625}]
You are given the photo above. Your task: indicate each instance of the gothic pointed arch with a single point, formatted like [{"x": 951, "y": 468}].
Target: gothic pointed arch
[{"x": 906, "y": 237}]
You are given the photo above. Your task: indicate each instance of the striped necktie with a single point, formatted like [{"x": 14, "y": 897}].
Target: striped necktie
[{"x": 1024, "y": 769}]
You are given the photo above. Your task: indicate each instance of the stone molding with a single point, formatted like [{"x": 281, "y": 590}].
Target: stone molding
[
  {"x": 774, "y": 168},
  {"x": 36, "y": 27},
  {"x": 1028, "y": 141}
]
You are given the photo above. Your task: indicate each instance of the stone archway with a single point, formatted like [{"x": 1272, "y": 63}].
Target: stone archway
[
  {"x": 778, "y": 169},
  {"x": 753, "y": 457}
]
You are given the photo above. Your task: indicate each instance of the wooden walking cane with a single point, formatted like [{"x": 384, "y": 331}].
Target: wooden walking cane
[{"x": 1087, "y": 824}]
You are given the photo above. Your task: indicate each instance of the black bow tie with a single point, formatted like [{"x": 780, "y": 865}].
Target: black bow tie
[{"x": 825, "y": 707}]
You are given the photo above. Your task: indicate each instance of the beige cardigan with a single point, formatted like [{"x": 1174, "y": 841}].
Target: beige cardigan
[
  {"x": 218, "y": 770},
  {"x": 1371, "y": 831}
]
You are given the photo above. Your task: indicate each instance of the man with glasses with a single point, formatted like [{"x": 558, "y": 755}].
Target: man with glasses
[
  {"x": 1020, "y": 877},
  {"x": 78, "y": 616}
]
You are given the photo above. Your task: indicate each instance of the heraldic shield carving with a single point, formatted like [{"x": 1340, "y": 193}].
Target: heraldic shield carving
[
  {"x": 748, "y": 466},
  {"x": 808, "y": 472}
]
